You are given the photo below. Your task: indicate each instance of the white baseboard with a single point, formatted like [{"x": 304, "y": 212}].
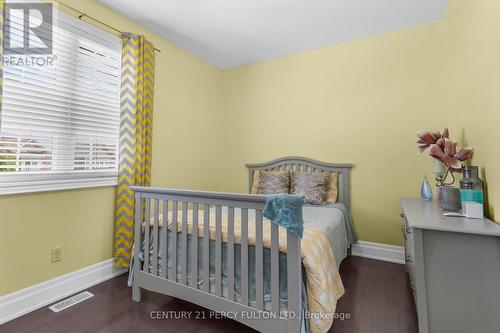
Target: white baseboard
[
  {"x": 20, "y": 302},
  {"x": 379, "y": 251}
]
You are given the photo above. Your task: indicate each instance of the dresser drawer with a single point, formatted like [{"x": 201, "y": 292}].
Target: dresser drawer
[
  {"x": 410, "y": 268},
  {"x": 408, "y": 235},
  {"x": 413, "y": 286},
  {"x": 408, "y": 241},
  {"x": 410, "y": 246}
]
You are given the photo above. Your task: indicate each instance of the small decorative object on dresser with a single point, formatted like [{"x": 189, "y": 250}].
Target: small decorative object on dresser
[
  {"x": 472, "y": 193},
  {"x": 442, "y": 149},
  {"x": 449, "y": 198},
  {"x": 426, "y": 190},
  {"x": 471, "y": 186}
]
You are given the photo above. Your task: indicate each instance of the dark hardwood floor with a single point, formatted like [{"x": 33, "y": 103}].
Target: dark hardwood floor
[{"x": 377, "y": 299}]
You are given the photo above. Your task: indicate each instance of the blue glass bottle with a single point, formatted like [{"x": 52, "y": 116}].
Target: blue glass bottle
[{"x": 426, "y": 190}]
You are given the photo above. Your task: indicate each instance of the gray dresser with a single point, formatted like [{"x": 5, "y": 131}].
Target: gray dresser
[{"x": 454, "y": 269}]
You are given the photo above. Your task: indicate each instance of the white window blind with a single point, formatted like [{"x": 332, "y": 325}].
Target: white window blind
[{"x": 59, "y": 123}]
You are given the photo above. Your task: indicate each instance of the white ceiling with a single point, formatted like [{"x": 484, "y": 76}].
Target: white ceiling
[{"x": 230, "y": 33}]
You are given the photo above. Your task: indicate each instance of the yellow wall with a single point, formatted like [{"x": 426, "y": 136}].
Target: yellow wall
[
  {"x": 80, "y": 221},
  {"x": 185, "y": 143},
  {"x": 472, "y": 51},
  {"x": 360, "y": 102}
]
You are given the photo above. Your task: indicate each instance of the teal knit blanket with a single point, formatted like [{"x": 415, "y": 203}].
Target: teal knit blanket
[{"x": 286, "y": 211}]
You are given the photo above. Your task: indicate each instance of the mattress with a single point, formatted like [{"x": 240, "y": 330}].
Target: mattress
[{"x": 336, "y": 223}]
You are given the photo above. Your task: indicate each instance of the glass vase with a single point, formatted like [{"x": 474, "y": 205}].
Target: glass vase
[{"x": 426, "y": 190}]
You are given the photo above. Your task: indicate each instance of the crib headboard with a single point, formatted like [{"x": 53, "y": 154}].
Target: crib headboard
[{"x": 309, "y": 165}]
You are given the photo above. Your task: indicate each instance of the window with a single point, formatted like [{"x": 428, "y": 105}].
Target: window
[{"x": 59, "y": 122}]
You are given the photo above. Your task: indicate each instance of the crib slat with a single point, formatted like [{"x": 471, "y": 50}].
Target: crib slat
[
  {"x": 155, "y": 236},
  {"x": 275, "y": 268},
  {"x": 184, "y": 250},
  {"x": 194, "y": 249},
  {"x": 136, "y": 293},
  {"x": 164, "y": 235},
  {"x": 206, "y": 249},
  {"x": 230, "y": 252},
  {"x": 244, "y": 256},
  {"x": 294, "y": 272},
  {"x": 146, "y": 235},
  {"x": 174, "y": 240},
  {"x": 218, "y": 251},
  {"x": 259, "y": 267}
]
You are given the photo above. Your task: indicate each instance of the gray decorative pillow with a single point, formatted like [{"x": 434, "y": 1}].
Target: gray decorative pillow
[
  {"x": 274, "y": 182},
  {"x": 312, "y": 185}
]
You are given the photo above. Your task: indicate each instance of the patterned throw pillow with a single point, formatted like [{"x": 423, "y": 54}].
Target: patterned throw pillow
[
  {"x": 274, "y": 182},
  {"x": 312, "y": 185}
]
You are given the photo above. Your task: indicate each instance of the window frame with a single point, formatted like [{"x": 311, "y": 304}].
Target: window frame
[
  {"x": 17, "y": 184},
  {"x": 47, "y": 181}
]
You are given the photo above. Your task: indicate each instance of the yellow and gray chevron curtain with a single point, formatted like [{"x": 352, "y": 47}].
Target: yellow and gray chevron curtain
[{"x": 136, "y": 130}]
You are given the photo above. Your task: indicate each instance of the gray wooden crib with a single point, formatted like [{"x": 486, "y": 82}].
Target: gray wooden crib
[{"x": 152, "y": 208}]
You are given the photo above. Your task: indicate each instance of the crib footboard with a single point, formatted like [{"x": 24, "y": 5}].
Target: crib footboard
[{"x": 153, "y": 204}]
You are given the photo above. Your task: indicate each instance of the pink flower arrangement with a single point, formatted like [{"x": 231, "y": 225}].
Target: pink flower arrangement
[{"x": 443, "y": 149}]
